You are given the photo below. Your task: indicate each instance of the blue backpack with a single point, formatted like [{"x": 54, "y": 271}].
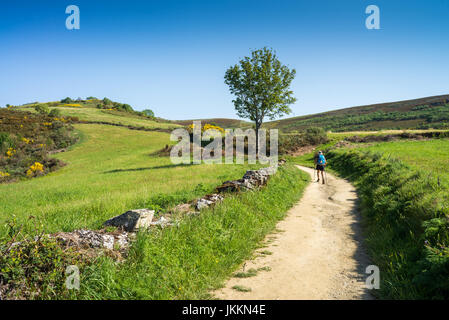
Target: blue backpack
[{"x": 321, "y": 160}]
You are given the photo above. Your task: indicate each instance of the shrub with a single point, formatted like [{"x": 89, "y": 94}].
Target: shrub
[
  {"x": 26, "y": 139},
  {"x": 34, "y": 267},
  {"x": 55, "y": 113},
  {"x": 67, "y": 100},
  {"x": 315, "y": 135},
  {"x": 148, "y": 113},
  {"x": 42, "y": 109}
]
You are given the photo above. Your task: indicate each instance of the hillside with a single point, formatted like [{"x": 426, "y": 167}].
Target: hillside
[
  {"x": 221, "y": 122},
  {"x": 105, "y": 111},
  {"x": 423, "y": 113}
]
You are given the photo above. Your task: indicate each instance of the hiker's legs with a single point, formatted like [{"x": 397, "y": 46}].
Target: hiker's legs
[
  {"x": 318, "y": 174},
  {"x": 322, "y": 175}
]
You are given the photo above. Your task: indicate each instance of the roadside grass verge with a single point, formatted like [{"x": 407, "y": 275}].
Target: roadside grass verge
[
  {"x": 197, "y": 256},
  {"x": 405, "y": 218}
]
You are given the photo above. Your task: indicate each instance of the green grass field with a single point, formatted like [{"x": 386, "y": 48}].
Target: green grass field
[
  {"x": 403, "y": 191},
  {"x": 189, "y": 261},
  {"x": 431, "y": 156},
  {"x": 112, "y": 170},
  {"x": 110, "y": 116},
  {"x": 109, "y": 172}
]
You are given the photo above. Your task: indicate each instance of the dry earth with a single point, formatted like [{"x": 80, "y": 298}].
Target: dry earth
[{"x": 316, "y": 254}]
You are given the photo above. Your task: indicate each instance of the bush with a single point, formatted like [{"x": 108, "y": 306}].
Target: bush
[
  {"x": 26, "y": 138},
  {"x": 42, "y": 109},
  {"x": 148, "y": 113},
  {"x": 67, "y": 100},
  {"x": 55, "y": 113},
  {"x": 315, "y": 135},
  {"x": 34, "y": 267}
]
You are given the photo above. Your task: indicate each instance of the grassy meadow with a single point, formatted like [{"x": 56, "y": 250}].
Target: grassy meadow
[
  {"x": 430, "y": 156},
  {"x": 109, "y": 116},
  {"x": 189, "y": 261},
  {"x": 108, "y": 172}
]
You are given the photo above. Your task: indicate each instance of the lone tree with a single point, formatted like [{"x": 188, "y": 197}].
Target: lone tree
[{"x": 261, "y": 85}]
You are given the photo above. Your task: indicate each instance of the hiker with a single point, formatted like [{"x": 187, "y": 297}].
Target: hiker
[{"x": 320, "y": 162}]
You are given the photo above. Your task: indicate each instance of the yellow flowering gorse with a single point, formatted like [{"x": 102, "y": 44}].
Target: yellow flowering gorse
[
  {"x": 10, "y": 152},
  {"x": 36, "y": 167},
  {"x": 4, "y": 174}
]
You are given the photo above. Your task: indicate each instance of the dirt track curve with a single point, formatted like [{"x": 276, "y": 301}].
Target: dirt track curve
[{"x": 318, "y": 253}]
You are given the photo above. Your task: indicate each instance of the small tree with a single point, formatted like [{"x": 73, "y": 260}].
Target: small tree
[
  {"x": 148, "y": 113},
  {"x": 66, "y": 100},
  {"x": 42, "y": 109},
  {"x": 261, "y": 85}
]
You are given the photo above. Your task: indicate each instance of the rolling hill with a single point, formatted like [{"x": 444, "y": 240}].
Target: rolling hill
[{"x": 423, "y": 113}]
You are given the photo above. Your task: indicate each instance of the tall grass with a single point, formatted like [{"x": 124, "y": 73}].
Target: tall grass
[
  {"x": 187, "y": 261},
  {"x": 405, "y": 214},
  {"x": 109, "y": 172}
]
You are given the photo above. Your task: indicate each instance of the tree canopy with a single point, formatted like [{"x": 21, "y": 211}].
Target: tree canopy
[{"x": 261, "y": 86}]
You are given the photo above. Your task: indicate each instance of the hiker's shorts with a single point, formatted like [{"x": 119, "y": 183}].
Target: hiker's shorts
[{"x": 320, "y": 167}]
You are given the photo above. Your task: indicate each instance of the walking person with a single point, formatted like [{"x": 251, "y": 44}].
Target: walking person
[{"x": 320, "y": 162}]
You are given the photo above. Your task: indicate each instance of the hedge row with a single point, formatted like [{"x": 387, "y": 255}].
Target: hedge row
[{"x": 405, "y": 213}]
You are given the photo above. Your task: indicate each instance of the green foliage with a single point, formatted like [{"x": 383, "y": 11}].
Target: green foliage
[
  {"x": 359, "y": 119},
  {"x": 315, "y": 135},
  {"x": 27, "y": 138},
  {"x": 107, "y": 102},
  {"x": 187, "y": 261},
  {"x": 148, "y": 113},
  {"x": 261, "y": 85},
  {"x": 67, "y": 100},
  {"x": 42, "y": 109},
  {"x": 55, "y": 113},
  {"x": 406, "y": 216},
  {"x": 34, "y": 267}
]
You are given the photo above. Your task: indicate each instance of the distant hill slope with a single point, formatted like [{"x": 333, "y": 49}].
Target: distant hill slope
[
  {"x": 222, "y": 122},
  {"x": 423, "y": 113},
  {"x": 95, "y": 110}
]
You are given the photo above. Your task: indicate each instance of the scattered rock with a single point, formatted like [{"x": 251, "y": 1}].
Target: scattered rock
[
  {"x": 162, "y": 222},
  {"x": 182, "y": 208},
  {"x": 207, "y": 201},
  {"x": 132, "y": 220},
  {"x": 251, "y": 180},
  {"x": 281, "y": 162},
  {"x": 92, "y": 239}
]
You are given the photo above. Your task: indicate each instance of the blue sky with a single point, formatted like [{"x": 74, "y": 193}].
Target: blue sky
[{"x": 171, "y": 56}]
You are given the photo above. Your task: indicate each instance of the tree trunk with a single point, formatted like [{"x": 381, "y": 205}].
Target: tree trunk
[{"x": 257, "y": 140}]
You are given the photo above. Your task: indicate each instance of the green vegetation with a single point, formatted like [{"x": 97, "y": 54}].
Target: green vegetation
[
  {"x": 405, "y": 213},
  {"x": 109, "y": 172},
  {"x": 429, "y": 157},
  {"x": 202, "y": 251},
  {"x": 425, "y": 113},
  {"x": 104, "y": 111},
  {"x": 221, "y": 122},
  {"x": 183, "y": 262},
  {"x": 261, "y": 86},
  {"x": 35, "y": 268},
  {"x": 25, "y": 141}
]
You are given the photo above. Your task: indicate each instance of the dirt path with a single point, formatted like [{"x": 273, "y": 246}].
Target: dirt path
[{"x": 318, "y": 254}]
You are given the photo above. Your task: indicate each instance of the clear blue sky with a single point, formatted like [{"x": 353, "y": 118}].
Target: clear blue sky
[{"x": 171, "y": 56}]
